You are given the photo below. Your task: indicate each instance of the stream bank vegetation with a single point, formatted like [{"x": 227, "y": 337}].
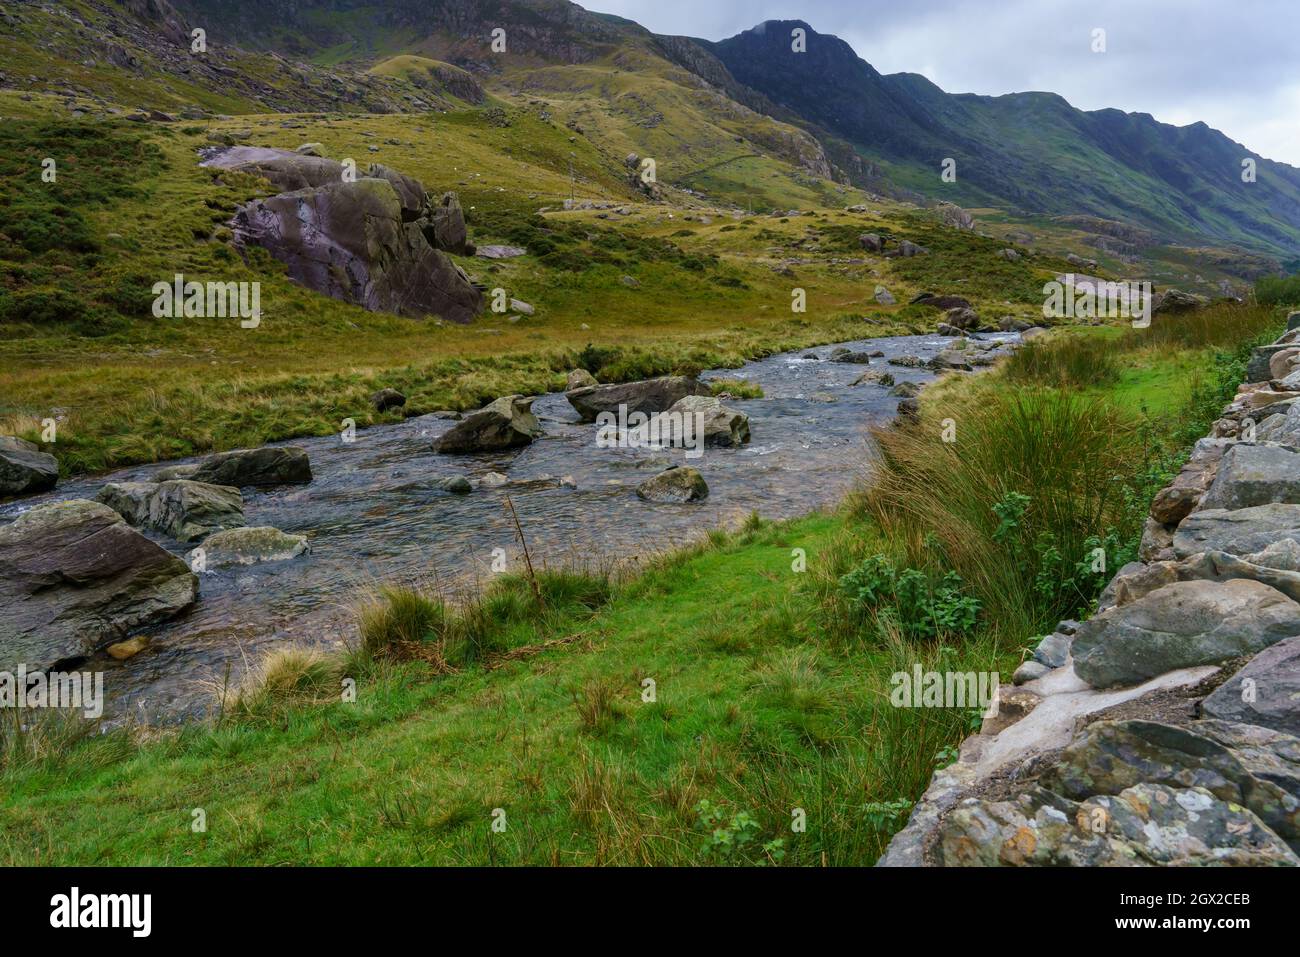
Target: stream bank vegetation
[{"x": 727, "y": 704}]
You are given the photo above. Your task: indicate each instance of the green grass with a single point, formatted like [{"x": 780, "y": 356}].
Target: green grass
[
  {"x": 753, "y": 711},
  {"x": 770, "y": 683}
]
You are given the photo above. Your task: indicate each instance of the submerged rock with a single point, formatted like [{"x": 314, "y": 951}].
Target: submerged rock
[
  {"x": 676, "y": 484},
  {"x": 248, "y": 546},
  {"x": 74, "y": 577}
]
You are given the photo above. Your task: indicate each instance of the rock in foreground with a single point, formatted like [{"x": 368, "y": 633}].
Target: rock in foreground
[
  {"x": 1180, "y": 625},
  {"x": 74, "y": 577}
]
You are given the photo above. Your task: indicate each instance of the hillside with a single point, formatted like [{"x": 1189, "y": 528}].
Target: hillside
[{"x": 1031, "y": 152}]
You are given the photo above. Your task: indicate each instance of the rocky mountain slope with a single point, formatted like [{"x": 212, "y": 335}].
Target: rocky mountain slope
[{"x": 1030, "y": 151}]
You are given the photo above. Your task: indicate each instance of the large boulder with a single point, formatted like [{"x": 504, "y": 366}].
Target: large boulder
[
  {"x": 1252, "y": 475},
  {"x": 647, "y": 396},
  {"x": 677, "y": 484},
  {"x": 260, "y": 467},
  {"x": 24, "y": 468},
  {"x": 695, "y": 419},
  {"x": 351, "y": 242},
  {"x": 1265, "y": 692},
  {"x": 506, "y": 423},
  {"x": 180, "y": 509},
  {"x": 1180, "y": 625},
  {"x": 410, "y": 191},
  {"x": 74, "y": 577},
  {"x": 247, "y": 546}
]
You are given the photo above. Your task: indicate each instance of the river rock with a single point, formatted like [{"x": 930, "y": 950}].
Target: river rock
[
  {"x": 506, "y": 423},
  {"x": 708, "y": 418},
  {"x": 1180, "y": 625},
  {"x": 169, "y": 472},
  {"x": 648, "y": 396},
  {"x": 24, "y": 468},
  {"x": 248, "y": 546},
  {"x": 386, "y": 399},
  {"x": 1252, "y": 475},
  {"x": 908, "y": 390},
  {"x": 579, "y": 379},
  {"x": 874, "y": 377},
  {"x": 181, "y": 509},
  {"x": 457, "y": 485},
  {"x": 676, "y": 484},
  {"x": 850, "y": 357},
  {"x": 1265, "y": 692},
  {"x": 1145, "y": 825},
  {"x": 261, "y": 467},
  {"x": 74, "y": 577}
]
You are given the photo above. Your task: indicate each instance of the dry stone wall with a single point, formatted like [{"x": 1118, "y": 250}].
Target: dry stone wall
[{"x": 1164, "y": 730}]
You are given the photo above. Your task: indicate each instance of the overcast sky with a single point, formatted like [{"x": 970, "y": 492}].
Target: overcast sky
[{"x": 1233, "y": 63}]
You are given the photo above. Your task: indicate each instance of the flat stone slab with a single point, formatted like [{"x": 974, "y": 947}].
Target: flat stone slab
[
  {"x": 1265, "y": 692},
  {"x": 1251, "y": 475},
  {"x": 1244, "y": 531}
]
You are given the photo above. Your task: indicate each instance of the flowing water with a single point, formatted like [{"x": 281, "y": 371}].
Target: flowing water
[{"x": 373, "y": 513}]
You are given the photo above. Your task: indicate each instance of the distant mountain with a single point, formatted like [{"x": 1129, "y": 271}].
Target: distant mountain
[{"x": 1032, "y": 151}]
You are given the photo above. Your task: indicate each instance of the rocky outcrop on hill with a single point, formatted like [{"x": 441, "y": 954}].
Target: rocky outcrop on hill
[
  {"x": 377, "y": 241},
  {"x": 74, "y": 577},
  {"x": 1165, "y": 730}
]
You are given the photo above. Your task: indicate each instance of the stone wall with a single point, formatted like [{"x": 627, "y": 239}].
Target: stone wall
[{"x": 1165, "y": 730}]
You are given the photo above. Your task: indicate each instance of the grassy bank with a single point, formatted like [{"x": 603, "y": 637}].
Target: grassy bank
[
  {"x": 769, "y": 652},
  {"x": 659, "y": 288}
]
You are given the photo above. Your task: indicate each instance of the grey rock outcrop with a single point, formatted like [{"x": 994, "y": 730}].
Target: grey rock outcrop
[{"x": 1179, "y": 625}]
